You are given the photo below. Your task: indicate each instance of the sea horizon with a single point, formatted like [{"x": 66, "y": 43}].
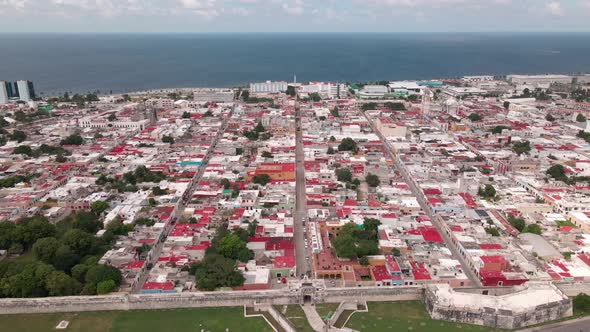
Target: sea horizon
[{"x": 131, "y": 61}]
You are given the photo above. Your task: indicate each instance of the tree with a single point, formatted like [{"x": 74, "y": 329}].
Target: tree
[
  {"x": 46, "y": 248},
  {"x": 18, "y": 136},
  {"x": 291, "y": 91},
  {"x": 498, "y": 129},
  {"x": 331, "y": 150},
  {"x": 506, "y": 104},
  {"x": 533, "y": 228},
  {"x": 87, "y": 222},
  {"x": 16, "y": 249},
  {"x": 521, "y": 147},
  {"x": 371, "y": 226},
  {"x": 252, "y": 228},
  {"x": 261, "y": 179},
  {"x": 364, "y": 261},
  {"x": 65, "y": 258},
  {"x": 517, "y": 223},
  {"x": 186, "y": 115},
  {"x": 78, "y": 240},
  {"x": 580, "y": 118},
  {"x": 29, "y": 230},
  {"x": 60, "y": 158},
  {"x": 23, "y": 149},
  {"x": 245, "y": 95},
  {"x": 493, "y": 231},
  {"x": 239, "y": 151},
  {"x": 372, "y": 180},
  {"x": 78, "y": 272},
  {"x": 60, "y": 284},
  {"x": 112, "y": 117},
  {"x": 106, "y": 286},
  {"x": 168, "y": 139},
  {"x": 73, "y": 139},
  {"x": 225, "y": 183},
  {"x": 267, "y": 154},
  {"x": 347, "y": 144},
  {"x": 343, "y": 175},
  {"x": 581, "y": 303},
  {"x": 549, "y": 117},
  {"x": 259, "y": 128},
  {"x": 487, "y": 192},
  {"x": 474, "y": 117},
  {"x": 99, "y": 207},
  {"x": 557, "y": 172},
  {"x": 99, "y": 273},
  {"x": 233, "y": 247},
  {"x": 335, "y": 113},
  {"x": 216, "y": 271}
]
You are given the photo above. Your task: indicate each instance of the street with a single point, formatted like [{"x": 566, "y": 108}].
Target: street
[
  {"x": 303, "y": 264},
  {"x": 154, "y": 254},
  {"x": 419, "y": 194}
]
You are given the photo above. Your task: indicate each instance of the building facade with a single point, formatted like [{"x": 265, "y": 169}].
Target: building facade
[{"x": 268, "y": 87}]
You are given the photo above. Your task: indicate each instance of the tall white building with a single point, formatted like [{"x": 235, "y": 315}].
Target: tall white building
[
  {"x": 268, "y": 87},
  {"x": 326, "y": 90},
  {"x": 3, "y": 92},
  {"x": 539, "y": 79},
  {"x": 25, "y": 90}
]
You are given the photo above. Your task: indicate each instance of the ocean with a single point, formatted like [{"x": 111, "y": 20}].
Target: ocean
[{"x": 130, "y": 62}]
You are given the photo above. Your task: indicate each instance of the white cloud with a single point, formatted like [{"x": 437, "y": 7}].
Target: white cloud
[{"x": 554, "y": 8}]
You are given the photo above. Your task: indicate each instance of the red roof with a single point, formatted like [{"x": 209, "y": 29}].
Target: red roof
[
  {"x": 169, "y": 285},
  {"x": 380, "y": 273},
  {"x": 284, "y": 261},
  {"x": 490, "y": 246}
]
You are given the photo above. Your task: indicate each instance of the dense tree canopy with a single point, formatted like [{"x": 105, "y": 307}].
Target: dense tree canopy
[
  {"x": 355, "y": 242},
  {"x": 348, "y": 144}
]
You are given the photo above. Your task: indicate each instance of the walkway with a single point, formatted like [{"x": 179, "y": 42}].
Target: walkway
[{"x": 314, "y": 318}]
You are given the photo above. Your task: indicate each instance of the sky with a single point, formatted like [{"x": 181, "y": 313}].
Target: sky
[{"x": 294, "y": 15}]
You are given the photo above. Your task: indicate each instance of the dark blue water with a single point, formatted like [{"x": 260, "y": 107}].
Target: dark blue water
[{"x": 123, "y": 62}]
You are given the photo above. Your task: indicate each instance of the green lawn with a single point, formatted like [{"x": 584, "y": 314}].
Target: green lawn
[
  {"x": 297, "y": 317},
  {"x": 326, "y": 309},
  {"x": 404, "y": 316},
  {"x": 208, "y": 319}
]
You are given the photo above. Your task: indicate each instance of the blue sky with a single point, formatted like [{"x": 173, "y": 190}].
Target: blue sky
[{"x": 293, "y": 15}]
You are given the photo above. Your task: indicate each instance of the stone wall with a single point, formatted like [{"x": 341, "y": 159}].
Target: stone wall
[
  {"x": 206, "y": 299},
  {"x": 573, "y": 289},
  {"x": 498, "y": 318}
]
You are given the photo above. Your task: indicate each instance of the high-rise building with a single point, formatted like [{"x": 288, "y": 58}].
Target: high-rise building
[
  {"x": 26, "y": 90},
  {"x": 4, "y": 93},
  {"x": 268, "y": 87}
]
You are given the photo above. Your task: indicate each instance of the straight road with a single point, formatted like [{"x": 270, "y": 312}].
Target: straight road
[
  {"x": 157, "y": 249},
  {"x": 300, "y": 215},
  {"x": 437, "y": 221}
]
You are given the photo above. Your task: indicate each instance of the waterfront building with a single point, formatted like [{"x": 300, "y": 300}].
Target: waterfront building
[{"x": 268, "y": 87}]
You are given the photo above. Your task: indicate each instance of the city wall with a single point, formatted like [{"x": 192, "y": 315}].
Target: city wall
[{"x": 196, "y": 300}]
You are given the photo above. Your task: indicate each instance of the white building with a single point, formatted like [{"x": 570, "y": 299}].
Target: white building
[
  {"x": 478, "y": 79},
  {"x": 373, "y": 91},
  {"x": 325, "y": 90},
  {"x": 102, "y": 122},
  {"x": 214, "y": 95},
  {"x": 539, "y": 79},
  {"x": 406, "y": 87},
  {"x": 268, "y": 87},
  {"x": 25, "y": 90},
  {"x": 3, "y": 92}
]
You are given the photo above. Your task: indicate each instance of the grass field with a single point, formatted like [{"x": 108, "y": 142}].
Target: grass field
[
  {"x": 296, "y": 316},
  {"x": 207, "y": 319},
  {"x": 325, "y": 309},
  {"x": 404, "y": 316}
]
